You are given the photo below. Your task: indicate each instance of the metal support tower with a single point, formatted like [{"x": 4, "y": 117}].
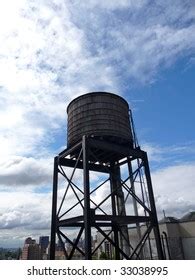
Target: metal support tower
[{"x": 77, "y": 214}]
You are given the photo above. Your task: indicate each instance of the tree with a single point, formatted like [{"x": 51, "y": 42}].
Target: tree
[{"x": 103, "y": 256}]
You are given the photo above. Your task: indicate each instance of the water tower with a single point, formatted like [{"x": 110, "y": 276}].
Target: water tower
[{"x": 102, "y": 183}]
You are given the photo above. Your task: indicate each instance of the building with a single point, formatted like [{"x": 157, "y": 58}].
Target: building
[
  {"x": 31, "y": 250},
  {"x": 181, "y": 236},
  {"x": 177, "y": 237},
  {"x": 44, "y": 243}
]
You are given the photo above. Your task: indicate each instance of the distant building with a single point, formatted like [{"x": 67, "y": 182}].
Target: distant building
[
  {"x": 31, "y": 250},
  {"x": 59, "y": 255},
  {"x": 59, "y": 252},
  {"x": 44, "y": 243},
  {"x": 29, "y": 240}
]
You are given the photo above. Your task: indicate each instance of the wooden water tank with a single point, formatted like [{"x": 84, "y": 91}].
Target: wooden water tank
[{"x": 99, "y": 114}]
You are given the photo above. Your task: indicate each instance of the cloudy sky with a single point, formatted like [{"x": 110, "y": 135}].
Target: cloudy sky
[{"x": 54, "y": 50}]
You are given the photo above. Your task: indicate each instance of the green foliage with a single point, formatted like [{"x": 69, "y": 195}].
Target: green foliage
[
  {"x": 9, "y": 254},
  {"x": 103, "y": 256}
]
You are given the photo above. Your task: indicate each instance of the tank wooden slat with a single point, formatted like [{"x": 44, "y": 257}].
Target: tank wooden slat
[{"x": 98, "y": 114}]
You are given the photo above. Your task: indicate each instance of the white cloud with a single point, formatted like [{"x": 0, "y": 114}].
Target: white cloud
[
  {"x": 25, "y": 172},
  {"x": 25, "y": 210},
  {"x": 113, "y": 4},
  {"x": 174, "y": 189},
  {"x": 169, "y": 155},
  {"x": 23, "y": 214},
  {"x": 44, "y": 62},
  {"x": 52, "y": 50},
  {"x": 147, "y": 49}
]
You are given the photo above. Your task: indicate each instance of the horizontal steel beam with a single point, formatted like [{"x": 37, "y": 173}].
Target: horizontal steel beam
[
  {"x": 92, "y": 166},
  {"x": 123, "y": 219},
  {"x": 120, "y": 220},
  {"x": 71, "y": 220}
]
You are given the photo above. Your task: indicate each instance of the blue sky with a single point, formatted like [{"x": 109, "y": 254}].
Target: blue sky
[
  {"x": 168, "y": 107},
  {"x": 52, "y": 51}
]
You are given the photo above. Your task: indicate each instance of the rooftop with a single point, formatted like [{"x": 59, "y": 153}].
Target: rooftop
[
  {"x": 188, "y": 217},
  {"x": 169, "y": 220}
]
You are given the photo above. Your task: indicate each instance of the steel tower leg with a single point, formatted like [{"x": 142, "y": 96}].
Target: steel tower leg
[
  {"x": 113, "y": 202},
  {"x": 120, "y": 206},
  {"x": 134, "y": 203},
  {"x": 153, "y": 208},
  {"x": 54, "y": 210},
  {"x": 87, "y": 214}
]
